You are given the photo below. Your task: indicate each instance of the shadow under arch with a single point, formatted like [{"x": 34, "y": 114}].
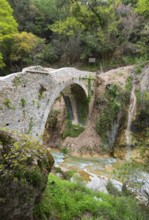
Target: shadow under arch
[
  {"x": 68, "y": 113},
  {"x": 76, "y": 103},
  {"x": 76, "y": 92}
]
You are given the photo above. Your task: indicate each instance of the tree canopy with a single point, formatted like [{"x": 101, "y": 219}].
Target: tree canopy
[
  {"x": 143, "y": 7},
  {"x": 69, "y": 32},
  {"x": 8, "y": 25}
]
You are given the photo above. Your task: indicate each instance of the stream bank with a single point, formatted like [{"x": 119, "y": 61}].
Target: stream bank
[{"x": 97, "y": 173}]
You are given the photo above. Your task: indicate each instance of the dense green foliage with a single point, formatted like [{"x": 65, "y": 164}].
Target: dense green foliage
[
  {"x": 143, "y": 7},
  {"x": 114, "y": 32},
  {"x": 8, "y": 25},
  {"x": 22, "y": 49},
  {"x": 65, "y": 200}
]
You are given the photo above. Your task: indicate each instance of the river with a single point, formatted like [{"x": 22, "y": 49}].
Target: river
[{"x": 94, "y": 171}]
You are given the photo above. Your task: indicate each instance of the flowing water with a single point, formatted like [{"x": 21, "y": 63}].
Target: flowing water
[
  {"x": 131, "y": 117},
  {"x": 113, "y": 133},
  {"x": 95, "y": 165},
  {"x": 95, "y": 171}
]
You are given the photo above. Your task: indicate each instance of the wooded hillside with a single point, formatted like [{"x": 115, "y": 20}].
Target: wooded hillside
[{"x": 67, "y": 32}]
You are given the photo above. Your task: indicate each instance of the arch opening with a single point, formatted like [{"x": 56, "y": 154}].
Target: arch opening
[{"x": 68, "y": 115}]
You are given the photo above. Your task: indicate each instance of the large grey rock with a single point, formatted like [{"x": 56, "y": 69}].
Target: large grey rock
[
  {"x": 118, "y": 185},
  {"x": 142, "y": 191}
]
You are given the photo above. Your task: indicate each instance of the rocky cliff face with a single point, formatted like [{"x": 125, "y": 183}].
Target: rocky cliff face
[
  {"x": 108, "y": 114},
  {"x": 120, "y": 115},
  {"x": 24, "y": 168},
  {"x": 139, "y": 126}
]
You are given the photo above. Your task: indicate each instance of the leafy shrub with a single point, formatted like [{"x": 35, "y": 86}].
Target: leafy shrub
[
  {"x": 72, "y": 130},
  {"x": 64, "y": 150}
]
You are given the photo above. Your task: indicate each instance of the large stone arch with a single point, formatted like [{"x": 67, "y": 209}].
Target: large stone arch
[{"x": 26, "y": 98}]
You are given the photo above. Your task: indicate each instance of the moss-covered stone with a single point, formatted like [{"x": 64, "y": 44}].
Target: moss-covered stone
[{"x": 24, "y": 167}]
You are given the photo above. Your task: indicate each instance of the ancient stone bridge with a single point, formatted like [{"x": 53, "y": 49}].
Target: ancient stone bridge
[{"x": 26, "y": 97}]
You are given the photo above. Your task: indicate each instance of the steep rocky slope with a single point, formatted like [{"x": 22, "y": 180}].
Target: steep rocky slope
[{"x": 108, "y": 122}]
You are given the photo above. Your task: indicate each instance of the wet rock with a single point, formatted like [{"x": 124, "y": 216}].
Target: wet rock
[
  {"x": 118, "y": 185},
  {"x": 144, "y": 194},
  {"x": 98, "y": 183},
  {"x": 141, "y": 192},
  {"x": 140, "y": 177},
  {"x": 120, "y": 151}
]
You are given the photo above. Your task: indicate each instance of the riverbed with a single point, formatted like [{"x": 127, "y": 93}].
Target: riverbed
[{"x": 95, "y": 171}]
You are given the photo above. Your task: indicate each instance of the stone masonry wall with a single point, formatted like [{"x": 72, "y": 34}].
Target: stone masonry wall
[{"x": 26, "y": 97}]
